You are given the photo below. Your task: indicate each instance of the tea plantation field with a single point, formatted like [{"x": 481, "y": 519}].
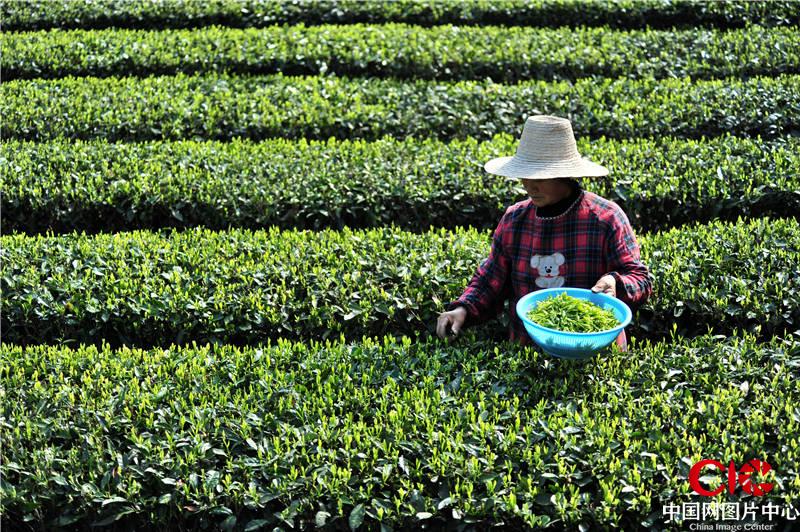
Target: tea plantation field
[{"x": 229, "y": 227}]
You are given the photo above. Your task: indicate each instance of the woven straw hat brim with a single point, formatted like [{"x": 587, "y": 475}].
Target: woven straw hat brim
[{"x": 514, "y": 167}]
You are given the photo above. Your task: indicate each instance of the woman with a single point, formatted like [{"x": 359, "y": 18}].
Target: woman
[{"x": 561, "y": 236}]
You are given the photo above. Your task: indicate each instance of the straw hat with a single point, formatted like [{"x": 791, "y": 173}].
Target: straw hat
[{"x": 546, "y": 150}]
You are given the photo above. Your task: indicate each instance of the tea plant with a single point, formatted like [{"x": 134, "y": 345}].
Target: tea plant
[
  {"x": 239, "y": 286},
  {"x": 415, "y": 184},
  {"x": 389, "y": 432},
  {"x": 505, "y": 55},
  {"x": 41, "y": 14},
  {"x": 223, "y": 107}
]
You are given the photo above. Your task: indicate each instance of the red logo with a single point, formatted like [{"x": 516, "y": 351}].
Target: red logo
[{"x": 742, "y": 477}]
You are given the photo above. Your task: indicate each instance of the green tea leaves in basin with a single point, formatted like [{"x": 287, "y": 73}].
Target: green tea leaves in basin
[{"x": 570, "y": 314}]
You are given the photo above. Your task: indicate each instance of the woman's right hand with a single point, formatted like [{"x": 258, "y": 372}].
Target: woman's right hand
[{"x": 454, "y": 319}]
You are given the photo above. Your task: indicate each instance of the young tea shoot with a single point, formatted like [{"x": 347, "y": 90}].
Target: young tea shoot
[{"x": 570, "y": 314}]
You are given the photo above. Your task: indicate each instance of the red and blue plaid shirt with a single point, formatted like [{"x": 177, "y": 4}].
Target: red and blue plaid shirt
[{"x": 592, "y": 238}]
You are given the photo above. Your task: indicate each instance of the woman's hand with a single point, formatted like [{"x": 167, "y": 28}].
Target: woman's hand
[
  {"x": 607, "y": 284},
  {"x": 454, "y": 319}
]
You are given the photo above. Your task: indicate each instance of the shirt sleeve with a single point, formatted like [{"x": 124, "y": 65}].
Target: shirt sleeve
[
  {"x": 486, "y": 293},
  {"x": 634, "y": 280}
]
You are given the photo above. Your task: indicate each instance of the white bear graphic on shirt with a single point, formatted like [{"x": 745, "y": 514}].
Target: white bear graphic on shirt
[{"x": 547, "y": 266}]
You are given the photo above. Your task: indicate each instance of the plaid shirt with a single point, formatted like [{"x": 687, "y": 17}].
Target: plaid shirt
[{"x": 591, "y": 239}]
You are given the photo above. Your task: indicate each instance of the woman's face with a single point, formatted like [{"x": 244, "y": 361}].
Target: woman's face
[{"x": 545, "y": 192}]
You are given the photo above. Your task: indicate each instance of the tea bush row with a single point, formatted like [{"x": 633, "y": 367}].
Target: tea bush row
[
  {"x": 43, "y": 14},
  {"x": 241, "y": 287},
  {"x": 407, "y": 52},
  {"x": 385, "y": 431},
  {"x": 414, "y": 184},
  {"x": 222, "y": 107}
]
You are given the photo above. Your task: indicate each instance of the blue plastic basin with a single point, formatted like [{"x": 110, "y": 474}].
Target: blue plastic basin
[{"x": 571, "y": 344}]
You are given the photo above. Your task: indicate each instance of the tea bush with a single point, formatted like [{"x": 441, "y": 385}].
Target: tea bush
[
  {"x": 414, "y": 184},
  {"x": 221, "y": 107},
  {"x": 241, "y": 287},
  {"x": 385, "y": 431},
  {"x": 408, "y": 52},
  {"x": 43, "y": 14}
]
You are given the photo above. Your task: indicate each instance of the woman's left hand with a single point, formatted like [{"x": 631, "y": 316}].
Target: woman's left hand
[{"x": 607, "y": 285}]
